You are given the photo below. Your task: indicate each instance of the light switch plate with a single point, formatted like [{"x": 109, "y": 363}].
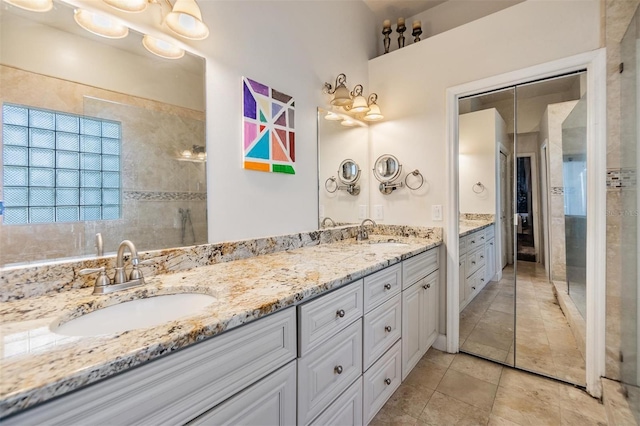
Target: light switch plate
[
  {"x": 378, "y": 212},
  {"x": 362, "y": 211},
  {"x": 436, "y": 212}
]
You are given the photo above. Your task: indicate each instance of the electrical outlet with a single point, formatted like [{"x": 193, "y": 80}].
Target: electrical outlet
[
  {"x": 378, "y": 212},
  {"x": 362, "y": 212},
  {"x": 436, "y": 212}
]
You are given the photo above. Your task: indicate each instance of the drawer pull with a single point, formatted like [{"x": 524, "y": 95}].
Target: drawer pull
[
  {"x": 481, "y": 256},
  {"x": 426, "y": 286},
  {"x": 460, "y": 264},
  {"x": 490, "y": 244},
  {"x": 482, "y": 279},
  {"x": 387, "y": 286},
  {"x": 473, "y": 262},
  {"x": 482, "y": 238},
  {"x": 387, "y": 329},
  {"x": 387, "y": 381},
  {"x": 473, "y": 241},
  {"x": 473, "y": 288},
  {"x": 338, "y": 369},
  {"x": 340, "y": 313}
]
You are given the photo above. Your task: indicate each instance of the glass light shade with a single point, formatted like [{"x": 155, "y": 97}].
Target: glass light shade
[
  {"x": 128, "y": 5},
  {"x": 185, "y": 19},
  {"x": 162, "y": 48},
  {"x": 341, "y": 96},
  {"x": 101, "y": 25},
  {"x": 186, "y": 153},
  {"x": 32, "y": 5},
  {"x": 374, "y": 113},
  {"x": 359, "y": 104},
  {"x": 332, "y": 116},
  {"x": 347, "y": 122}
]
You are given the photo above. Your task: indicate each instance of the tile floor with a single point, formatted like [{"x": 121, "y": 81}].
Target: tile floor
[
  {"x": 460, "y": 389},
  {"x": 544, "y": 341}
]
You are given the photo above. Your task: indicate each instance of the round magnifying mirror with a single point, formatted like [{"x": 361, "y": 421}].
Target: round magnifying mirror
[
  {"x": 387, "y": 168},
  {"x": 349, "y": 172}
]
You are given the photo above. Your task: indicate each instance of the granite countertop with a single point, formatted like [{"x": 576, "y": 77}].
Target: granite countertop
[
  {"x": 468, "y": 226},
  {"x": 37, "y": 364}
]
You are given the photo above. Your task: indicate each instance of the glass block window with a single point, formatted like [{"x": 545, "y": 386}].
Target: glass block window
[{"x": 59, "y": 167}]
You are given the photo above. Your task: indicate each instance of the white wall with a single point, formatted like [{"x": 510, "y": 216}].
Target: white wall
[
  {"x": 413, "y": 82},
  {"x": 294, "y": 47},
  {"x": 480, "y": 134}
]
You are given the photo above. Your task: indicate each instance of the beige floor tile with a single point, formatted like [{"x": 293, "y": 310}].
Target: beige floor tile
[
  {"x": 580, "y": 401},
  {"x": 409, "y": 399},
  {"x": 530, "y": 386},
  {"x": 516, "y": 407},
  {"x": 468, "y": 389},
  {"x": 426, "y": 375},
  {"x": 392, "y": 417},
  {"x": 487, "y": 335},
  {"x": 439, "y": 357},
  {"x": 486, "y": 351},
  {"x": 573, "y": 418},
  {"x": 445, "y": 410},
  {"x": 478, "y": 368},
  {"x": 499, "y": 421}
]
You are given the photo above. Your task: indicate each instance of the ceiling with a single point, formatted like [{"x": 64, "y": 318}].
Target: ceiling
[{"x": 391, "y": 9}]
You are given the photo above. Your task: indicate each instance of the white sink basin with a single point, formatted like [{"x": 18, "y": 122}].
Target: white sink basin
[
  {"x": 139, "y": 313},
  {"x": 389, "y": 243}
]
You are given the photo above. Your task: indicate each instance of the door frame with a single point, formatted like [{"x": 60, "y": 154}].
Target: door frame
[{"x": 595, "y": 63}]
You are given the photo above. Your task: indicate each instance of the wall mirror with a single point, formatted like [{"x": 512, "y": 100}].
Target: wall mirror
[
  {"x": 99, "y": 136},
  {"x": 343, "y": 152},
  {"x": 387, "y": 168},
  {"x": 526, "y": 146}
]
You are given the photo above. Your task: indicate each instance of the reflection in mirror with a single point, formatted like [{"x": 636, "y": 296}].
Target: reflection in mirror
[
  {"x": 113, "y": 142},
  {"x": 514, "y": 303},
  {"x": 335, "y": 144},
  {"x": 387, "y": 168},
  {"x": 349, "y": 172}
]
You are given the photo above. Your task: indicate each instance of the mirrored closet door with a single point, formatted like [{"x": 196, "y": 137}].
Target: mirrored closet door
[{"x": 522, "y": 200}]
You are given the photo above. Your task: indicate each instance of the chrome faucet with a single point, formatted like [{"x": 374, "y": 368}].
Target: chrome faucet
[
  {"x": 362, "y": 233},
  {"x": 120, "y": 281},
  {"x": 324, "y": 222}
]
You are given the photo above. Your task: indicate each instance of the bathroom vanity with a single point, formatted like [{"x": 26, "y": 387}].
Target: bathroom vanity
[
  {"x": 477, "y": 259},
  {"x": 314, "y": 335}
]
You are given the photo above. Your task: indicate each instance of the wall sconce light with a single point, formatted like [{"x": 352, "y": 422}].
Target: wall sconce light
[
  {"x": 353, "y": 104},
  {"x": 196, "y": 154},
  {"x": 374, "y": 113},
  {"x": 32, "y": 5},
  {"x": 185, "y": 19},
  {"x": 341, "y": 95},
  {"x": 99, "y": 24}
]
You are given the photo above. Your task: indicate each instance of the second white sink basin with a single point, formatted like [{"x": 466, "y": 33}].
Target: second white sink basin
[{"x": 139, "y": 313}]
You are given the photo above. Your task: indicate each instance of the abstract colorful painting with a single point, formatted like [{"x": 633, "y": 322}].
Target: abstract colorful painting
[{"x": 269, "y": 142}]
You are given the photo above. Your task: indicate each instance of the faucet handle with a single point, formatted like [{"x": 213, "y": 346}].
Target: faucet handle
[
  {"x": 136, "y": 273},
  {"x": 102, "y": 279}
]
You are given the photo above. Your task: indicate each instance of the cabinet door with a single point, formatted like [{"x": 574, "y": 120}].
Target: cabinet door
[
  {"x": 346, "y": 410},
  {"x": 272, "y": 401},
  {"x": 431, "y": 289},
  {"x": 412, "y": 320}
]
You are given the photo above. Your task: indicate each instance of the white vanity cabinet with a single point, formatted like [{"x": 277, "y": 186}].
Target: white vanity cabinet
[
  {"x": 186, "y": 384},
  {"x": 477, "y": 263},
  {"x": 419, "y": 307}
]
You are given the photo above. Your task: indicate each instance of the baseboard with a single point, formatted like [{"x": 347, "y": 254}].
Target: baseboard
[{"x": 440, "y": 343}]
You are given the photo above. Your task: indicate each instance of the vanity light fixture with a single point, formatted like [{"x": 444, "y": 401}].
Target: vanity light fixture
[
  {"x": 185, "y": 19},
  {"x": 332, "y": 116},
  {"x": 100, "y": 24},
  {"x": 128, "y": 5},
  {"x": 347, "y": 122},
  {"x": 196, "y": 154},
  {"x": 32, "y": 5},
  {"x": 374, "y": 113},
  {"x": 359, "y": 102},
  {"x": 162, "y": 48},
  {"x": 341, "y": 95}
]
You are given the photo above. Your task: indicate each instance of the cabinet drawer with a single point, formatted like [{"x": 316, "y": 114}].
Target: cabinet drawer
[
  {"x": 381, "y": 381},
  {"x": 474, "y": 261},
  {"x": 475, "y": 283},
  {"x": 344, "y": 411},
  {"x": 325, "y": 316},
  {"x": 462, "y": 245},
  {"x": 475, "y": 240},
  {"x": 382, "y": 328},
  {"x": 328, "y": 370},
  {"x": 489, "y": 233},
  {"x": 419, "y": 266},
  {"x": 381, "y": 286},
  {"x": 271, "y": 401},
  {"x": 178, "y": 387}
]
